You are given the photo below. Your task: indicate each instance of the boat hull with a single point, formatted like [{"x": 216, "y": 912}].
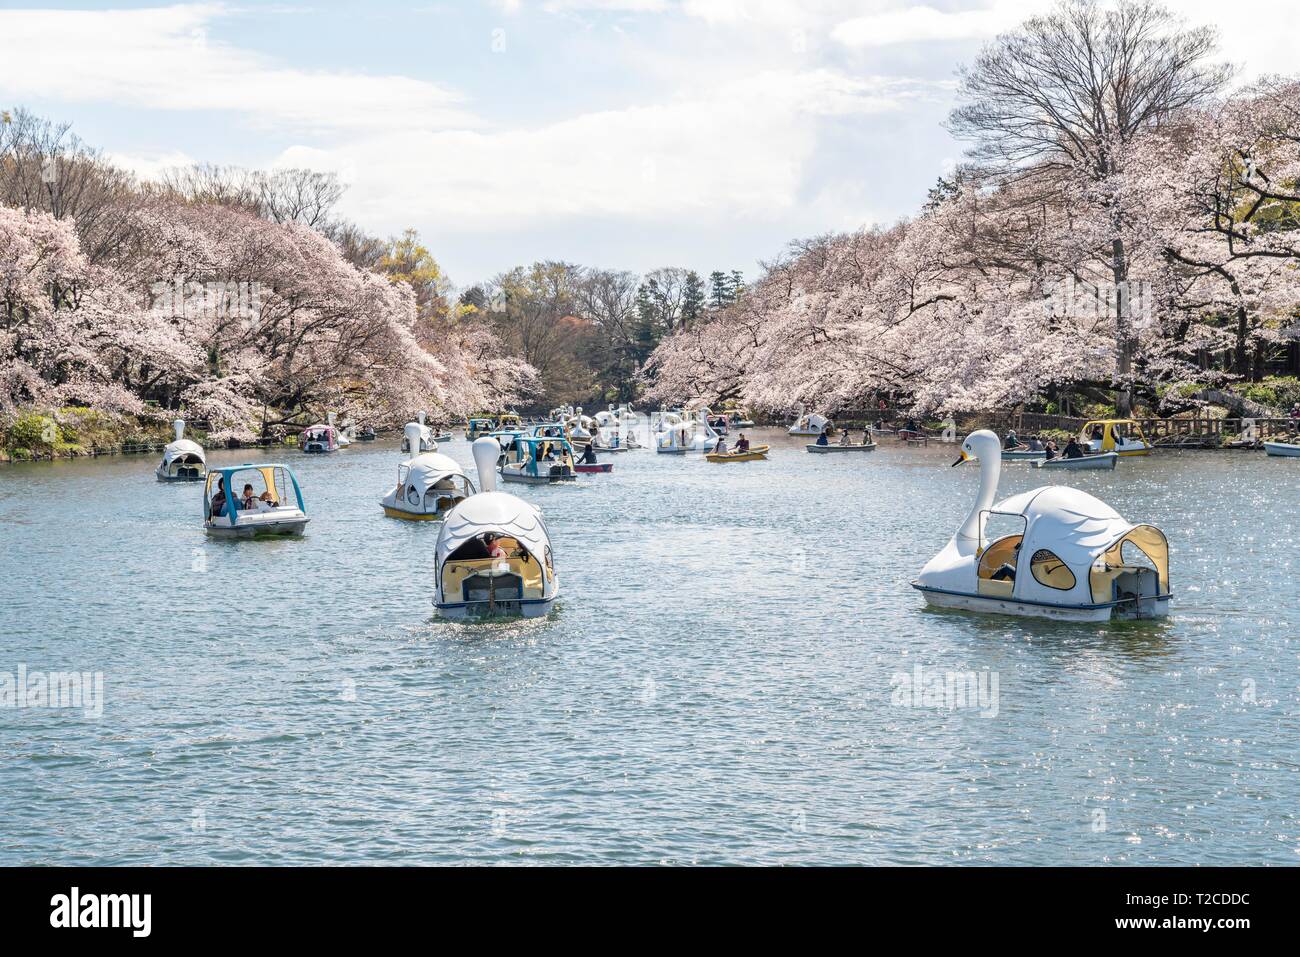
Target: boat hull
[
  {"x": 1282, "y": 449},
  {"x": 287, "y": 528},
  {"x": 524, "y": 479},
  {"x": 475, "y": 610},
  {"x": 1105, "y": 461},
  {"x": 1155, "y": 607},
  {"x": 593, "y": 469},
  {"x": 162, "y": 477},
  {"x": 1024, "y": 455},
  {"x": 756, "y": 454},
  {"x": 823, "y": 449},
  {"x": 412, "y": 516}
]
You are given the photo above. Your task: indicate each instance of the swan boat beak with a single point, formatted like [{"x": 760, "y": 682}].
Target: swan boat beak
[{"x": 964, "y": 458}]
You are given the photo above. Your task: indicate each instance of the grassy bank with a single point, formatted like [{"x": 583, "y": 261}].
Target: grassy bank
[{"x": 36, "y": 434}]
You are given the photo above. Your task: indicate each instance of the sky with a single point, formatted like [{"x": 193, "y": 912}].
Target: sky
[{"x": 627, "y": 134}]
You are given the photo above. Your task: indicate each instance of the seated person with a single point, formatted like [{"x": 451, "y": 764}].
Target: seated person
[
  {"x": 248, "y": 499},
  {"x": 218, "y": 504},
  {"x": 866, "y": 436},
  {"x": 589, "y": 455},
  {"x": 267, "y": 500},
  {"x": 494, "y": 547},
  {"x": 821, "y": 438},
  {"x": 844, "y": 437},
  {"x": 1050, "y": 450},
  {"x": 742, "y": 443},
  {"x": 1073, "y": 450},
  {"x": 1012, "y": 442},
  {"x": 1007, "y": 570}
]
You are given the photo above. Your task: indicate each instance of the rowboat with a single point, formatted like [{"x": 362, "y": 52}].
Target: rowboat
[
  {"x": 1100, "y": 460},
  {"x": 1283, "y": 449},
  {"x": 594, "y": 467},
  {"x": 814, "y": 447},
  {"x": 754, "y": 454},
  {"x": 1019, "y": 455}
]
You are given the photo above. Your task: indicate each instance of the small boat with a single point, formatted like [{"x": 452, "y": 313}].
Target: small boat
[
  {"x": 1282, "y": 449},
  {"x": 183, "y": 460},
  {"x": 493, "y": 556},
  {"x": 428, "y": 487},
  {"x": 538, "y": 460},
  {"x": 876, "y": 431},
  {"x": 481, "y": 424},
  {"x": 593, "y": 467},
  {"x": 366, "y": 434},
  {"x": 319, "y": 439},
  {"x": 442, "y": 437},
  {"x": 418, "y": 437},
  {"x": 1122, "y": 436},
  {"x": 1097, "y": 460},
  {"x": 811, "y": 424},
  {"x": 823, "y": 449},
  {"x": 754, "y": 453},
  {"x": 274, "y": 507},
  {"x": 1074, "y": 558}
]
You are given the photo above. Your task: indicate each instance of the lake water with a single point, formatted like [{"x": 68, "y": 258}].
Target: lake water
[{"x": 714, "y": 685}]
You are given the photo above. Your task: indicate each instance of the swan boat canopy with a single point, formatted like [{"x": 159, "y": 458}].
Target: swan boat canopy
[
  {"x": 811, "y": 424},
  {"x": 1122, "y": 436},
  {"x": 538, "y": 460},
  {"x": 493, "y": 555},
  {"x": 183, "y": 460},
  {"x": 1074, "y": 559},
  {"x": 320, "y": 438},
  {"x": 428, "y": 487},
  {"x": 274, "y": 508}
]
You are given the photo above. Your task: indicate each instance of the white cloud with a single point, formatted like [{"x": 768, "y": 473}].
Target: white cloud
[
  {"x": 162, "y": 59},
  {"x": 661, "y": 162},
  {"x": 920, "y": 25}
]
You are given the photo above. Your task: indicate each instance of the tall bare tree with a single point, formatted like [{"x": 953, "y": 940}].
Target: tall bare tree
[{"x": 1065, "y": 92}]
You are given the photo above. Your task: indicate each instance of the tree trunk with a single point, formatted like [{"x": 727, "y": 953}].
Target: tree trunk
[{"x": 1123, "y": 329}]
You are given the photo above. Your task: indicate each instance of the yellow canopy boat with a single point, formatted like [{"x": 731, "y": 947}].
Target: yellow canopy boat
[{"x": 755, "y": 453}]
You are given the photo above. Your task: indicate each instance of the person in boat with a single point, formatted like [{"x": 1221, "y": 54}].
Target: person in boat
[
  {"x": 844, "y": 437},
  {"x": 1035, "y": 444},
  {"x": 742, "y": 443},
  {"x": 1050, "y": 451},
  {"x": 218, "y": 503},
  {"x": 268, "y": 499},
  {"x": 248, "y": 500},
  {"x": 866, "y": 435},
  {"x": 1295, "y": 412},
  {"x": 1007, "y": 571},
  {"x": 588, "y": 455},
  {"x": 721, "y": 447},
  {"x": 821, "y": 438},
  {"x": 494, "y": 547},
  {"x": 1012, "y": 442},
  {"x": 1097, "y": 433},
  {"x": 1073, "y": 450}
]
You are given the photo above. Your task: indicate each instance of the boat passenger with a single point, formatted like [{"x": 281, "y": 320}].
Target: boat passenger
[
  {"x": 1007, "y": 571},
  {"x": 742, "y": 443},
  {"x": 1295, "y": 412},
  {"x": 844, "y": 437},
  {"x": 268, "y": 499},
  {"x": 821, "y": 439},
  {"x": 494, "y": 547},
  {"x": 1073, "y": 450},
  {"x": 1050, "y": 450},
  {"x": 218, "y": 503},
  {"x": 1012, "y": 443},
  {"x": 588, "y": 455},
  {"x": 249, "y": 499},
  {"x": 866, "y": 436}
]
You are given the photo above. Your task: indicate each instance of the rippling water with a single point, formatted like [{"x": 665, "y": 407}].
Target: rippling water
[{"x": 714, "y": 685}]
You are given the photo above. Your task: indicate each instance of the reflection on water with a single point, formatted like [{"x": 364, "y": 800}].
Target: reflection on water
[{"x": 713, "y": 686}]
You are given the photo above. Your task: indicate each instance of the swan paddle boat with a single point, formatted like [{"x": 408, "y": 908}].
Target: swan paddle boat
[
  {"x": 538, "y": 460},
  {"x": 481, "y": 424},
  {"x": 1082, "y": 561},
  {"x": 811, "y": 424},
  {"x": 1097, "y": 460},
  {"x": 418, "y": 437},
  {"x": 274, "y": 506},
  {"x": 428, "y": 487},
  {"x": 319, "y": 439},
  {"x": 1121, "y": 436},
  {"x": 493, "y": 555},
  {"x": 183, "y": 460},
  {"x": 1282, "y": 449},
  {"x": 678, "y": 433}
]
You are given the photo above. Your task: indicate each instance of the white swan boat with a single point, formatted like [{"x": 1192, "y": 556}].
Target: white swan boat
[
  {"x": 1282, "y": 449},
  {"x": 428, "y": 487},
  {"x": 677, "y": 433},
  {"x": 183, "y": 460},
  {"x": 811, "y": 424},
  {"x": 1075, "y": 558},
  {"x": 493, "y": 555},
  {"x": 1098, "y": 460},
  {"x": 418, "y": 437}
]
